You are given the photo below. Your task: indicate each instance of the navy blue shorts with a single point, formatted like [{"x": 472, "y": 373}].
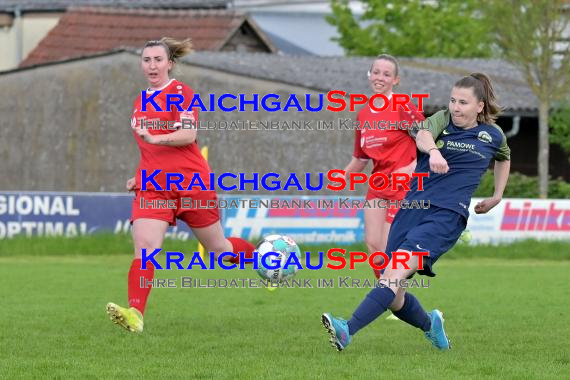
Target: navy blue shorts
[{"x": 434, "y": 229}]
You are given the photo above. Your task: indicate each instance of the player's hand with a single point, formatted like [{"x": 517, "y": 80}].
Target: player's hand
[
  {"x": 437, "y": 163},
  {"x": 340, "y": 175},
  {"x": 144, "y": 134},
  {"x": 486, "y": 205},
  {"x": 131, "y": 184},
  {"x": 408, "y": 169}
]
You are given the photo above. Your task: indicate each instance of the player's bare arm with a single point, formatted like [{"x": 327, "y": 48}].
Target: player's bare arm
[
  {"x": 356, "y": 165},
  {"x": 426, "y": 144},
  {"x": 501, "y": 174}
]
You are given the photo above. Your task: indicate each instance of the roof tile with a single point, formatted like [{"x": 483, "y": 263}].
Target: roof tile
[
  {"x": 61, "y": 5},
  {"x": 82, "y": 31}
]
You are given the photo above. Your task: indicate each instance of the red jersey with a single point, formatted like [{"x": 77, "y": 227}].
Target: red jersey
[
  {"x": 187, "y": 159},
  {"x": 388, "y": 145}
]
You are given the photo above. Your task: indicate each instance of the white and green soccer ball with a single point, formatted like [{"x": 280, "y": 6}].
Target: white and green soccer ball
[{"x": 282, "y": 246}]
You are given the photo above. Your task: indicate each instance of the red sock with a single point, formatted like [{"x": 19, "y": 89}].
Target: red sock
[
  {"x": 240, "y": 245},
  {"x": 138, "y": 295},
  {"x": 377, "y": 273}
]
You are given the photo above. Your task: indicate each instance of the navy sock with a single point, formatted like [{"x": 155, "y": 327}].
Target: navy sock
[
  {"x": 375, "y": 303},
  {"x": 413, "y": 313}
]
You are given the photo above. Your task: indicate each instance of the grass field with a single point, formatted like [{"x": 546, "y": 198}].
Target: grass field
[{"x": 506, "y": 318}]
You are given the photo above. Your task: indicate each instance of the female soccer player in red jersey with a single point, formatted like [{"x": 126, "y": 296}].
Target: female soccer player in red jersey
[
  {"x": 170, "y": 150},
  {"x": 390, "y": 148}
]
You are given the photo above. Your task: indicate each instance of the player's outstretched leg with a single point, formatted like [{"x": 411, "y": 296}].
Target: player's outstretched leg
[
  {"x": 338, "y": 331},
  {"x": 146, "y": 233},
  {"x": 436, "y": 335},
  {"x": 129, "y": 318},
  {"x": 412, "y": 311},
  {"x": 241, "y": 245},
  {"x": 212, "y": 238}
]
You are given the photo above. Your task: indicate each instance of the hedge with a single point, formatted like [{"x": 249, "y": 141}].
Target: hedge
[{"x": 523, "y": 186}]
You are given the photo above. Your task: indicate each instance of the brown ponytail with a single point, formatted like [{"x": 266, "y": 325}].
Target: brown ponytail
[
  {"x": 483, "y": 89},
  {"x": 174, "y": 49}
]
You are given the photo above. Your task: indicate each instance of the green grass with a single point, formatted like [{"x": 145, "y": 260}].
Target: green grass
[
  {"x": 506, "y": 318},
  {"x": 109, "y": 244}
]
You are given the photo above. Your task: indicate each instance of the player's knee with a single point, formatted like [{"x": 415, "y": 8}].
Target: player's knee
[
  {"x": 394, "y": 274},
  {"x": 219, "y": 247},
  {"x": 378, "y": 259},
  {"x": 398, "y": 302},
  {"x": 147, "y": 242},
  {"x": 374, "y": 244}
]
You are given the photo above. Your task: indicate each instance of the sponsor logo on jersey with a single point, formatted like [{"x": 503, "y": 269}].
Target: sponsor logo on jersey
[
  {"x": 439, "y": 144},
  {"x": 134, "y": 119},
  {"x": 373, "y": 142},
  {"x": 485, "y": 137},
  {"x": 463, "y": 147},
  {"x": 460, "y": 146}
]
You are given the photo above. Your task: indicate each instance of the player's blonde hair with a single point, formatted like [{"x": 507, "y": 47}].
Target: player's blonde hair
[
  {"x": 484, "y": 92},
  {"x": 175, "y": 49}
]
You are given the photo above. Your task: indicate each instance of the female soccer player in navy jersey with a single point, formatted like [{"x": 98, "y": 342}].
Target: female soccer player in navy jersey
[
  {"x": 173, "y": 150},
  {"x": 391, "y": 149},
  {"x": 457, "y": 149}
]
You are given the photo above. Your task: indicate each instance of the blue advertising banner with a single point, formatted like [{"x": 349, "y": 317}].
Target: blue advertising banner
[
  {"x": 306, "y": 219},
  {"x": 68, "y": 214}
]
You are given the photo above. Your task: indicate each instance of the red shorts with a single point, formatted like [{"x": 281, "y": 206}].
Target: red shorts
[
  {"x": 391, "y": 213},
  {"x": 392, "y": 209},
  {"x": 193, "y": 217}
]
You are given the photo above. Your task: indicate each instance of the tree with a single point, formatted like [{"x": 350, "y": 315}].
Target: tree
[
  {"x": 529, "y": 34},
  {"x": 413, "y": 28},
  {"x": 559, "y": 124}
]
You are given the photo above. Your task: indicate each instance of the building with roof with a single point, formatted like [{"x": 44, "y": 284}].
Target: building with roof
[
  {"x": 88, "y": 31},
  {"x": 24, "y": 23},
  {"x": 66, "y": 124},
  {"x": 299, "y": 22}
]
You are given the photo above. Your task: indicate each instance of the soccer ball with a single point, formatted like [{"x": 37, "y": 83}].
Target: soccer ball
[
  {"x": 465, "y": 237},
  {"x": 282, "y": 246}
]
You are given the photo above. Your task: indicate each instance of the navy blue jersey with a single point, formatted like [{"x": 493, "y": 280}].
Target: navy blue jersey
[{"x": 468, "y": 153}]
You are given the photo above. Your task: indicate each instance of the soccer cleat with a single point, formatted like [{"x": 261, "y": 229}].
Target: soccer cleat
[
  {"x": 338, "y": 331},
  {"x": 392, "y": 317},
  {"x": 436, "y": 335},
  {"x": 131, "y": 319},
  {"x": 272, "y": 287}
]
